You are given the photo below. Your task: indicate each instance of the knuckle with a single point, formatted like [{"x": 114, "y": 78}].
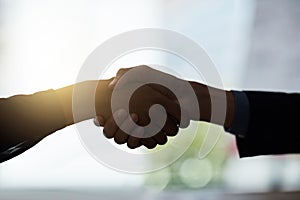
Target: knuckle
[
  {"x": 145, "y": 68},
  {"x": 122, "y": 71}
]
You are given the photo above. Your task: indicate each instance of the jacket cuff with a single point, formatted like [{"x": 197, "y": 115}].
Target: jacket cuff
[{"x": 240, "y": 123}]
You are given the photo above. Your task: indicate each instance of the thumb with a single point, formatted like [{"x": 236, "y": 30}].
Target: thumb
[{"x": 120, "y": 73}]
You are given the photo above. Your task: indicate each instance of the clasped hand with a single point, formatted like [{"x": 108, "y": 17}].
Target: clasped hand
[{"x": 140, "y": 102}]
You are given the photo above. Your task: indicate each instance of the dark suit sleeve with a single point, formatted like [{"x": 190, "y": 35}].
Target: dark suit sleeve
[
  {"x": 273, "y": 126},
  {"x": 27, "y": 119}
]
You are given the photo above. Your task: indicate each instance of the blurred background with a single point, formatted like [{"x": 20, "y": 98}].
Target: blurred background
[{"x": 254, "y": 45}]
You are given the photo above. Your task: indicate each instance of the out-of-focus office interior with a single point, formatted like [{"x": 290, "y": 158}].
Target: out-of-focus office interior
[{"x": 253, "y": 43}]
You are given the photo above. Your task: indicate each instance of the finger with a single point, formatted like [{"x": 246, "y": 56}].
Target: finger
[
  {"x": 113, "y": 83},
  {"x": 150, "y": 143},
  {"x": 184, "y": 120},
  {"x": 171, "y": 127},
  {"x": 142, "y": 71},
  {"x": 120, "y": 73},
  {"x": 145, "y": 71},
  {"x": 170, "y": 83},
  {"x": 134, "y": 142},
  {"x": 178, "y": 115},
  {"x": 171, "y": 107},
  {"x": 120, "y": 136},
  {"x": 99, "y": 121},
  {"x": 160, "y": 138},
  {"x": 163, "y": 90},
  {"x": 111, "y": 126}
]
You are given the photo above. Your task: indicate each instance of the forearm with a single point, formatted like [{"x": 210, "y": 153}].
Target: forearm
[
  {"x": 27, "y": 119},
  {"x": 42, "y": 113},
  {"x": 205, "y": 94}
]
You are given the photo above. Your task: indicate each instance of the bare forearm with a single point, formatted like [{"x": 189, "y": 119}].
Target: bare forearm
[{"x": 205, "y": 94}]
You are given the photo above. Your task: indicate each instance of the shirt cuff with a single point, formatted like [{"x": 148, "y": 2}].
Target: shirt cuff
[{"x": 240, "y": 123}]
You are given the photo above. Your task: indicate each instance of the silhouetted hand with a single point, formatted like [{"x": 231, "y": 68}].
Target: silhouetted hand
[{"x": 142, "y": 99}]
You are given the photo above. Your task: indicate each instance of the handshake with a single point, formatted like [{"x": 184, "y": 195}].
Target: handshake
[
  {"x": 182, "y": 100},
  {"x": 140, "y": 106}
]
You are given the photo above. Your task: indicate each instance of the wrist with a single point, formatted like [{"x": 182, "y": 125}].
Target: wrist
[
  {"x": 205, "y": 94},
  {"x": 65, "y": 99},
  {"x": 103, "y": 99},
  {"x": 89, "y": 97},
  {"x": 204, "y": 101},
  {"x": 230, "y": 109}
]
